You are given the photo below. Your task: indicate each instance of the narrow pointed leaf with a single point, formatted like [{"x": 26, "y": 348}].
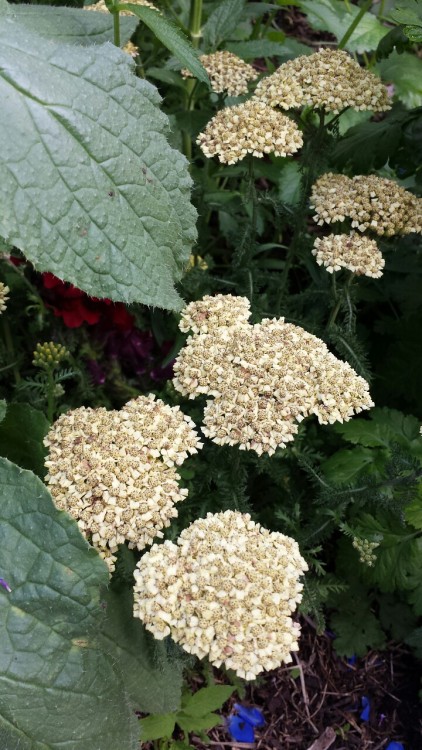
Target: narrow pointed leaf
[{"x": 171, "y": 37}]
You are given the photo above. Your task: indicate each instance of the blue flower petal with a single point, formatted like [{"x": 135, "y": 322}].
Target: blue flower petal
[
  {"x": 395, "y": 746},
  {"x": 352, "y": 659},
  {"x": 366, "y": 705},
  {"x": 240, "y": 730},
  {"x": 252, "y": 715}
]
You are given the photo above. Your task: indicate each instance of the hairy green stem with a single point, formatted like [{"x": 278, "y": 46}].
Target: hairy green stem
[
  {"x": 195, "y": 24},
  {"x": 116, "y": 27},
  {"x": 336, "y": 308},
  {"x": 8, "y": 340},
  {"x": 51, "y": 399},
  {"x": 343, "y": 41}
]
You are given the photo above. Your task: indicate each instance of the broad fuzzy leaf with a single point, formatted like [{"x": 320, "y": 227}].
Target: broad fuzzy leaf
[
  {"x": 90, "y": 189},
  {"x": 72, "y": 26},
  {"x": 57, "y": 688},
  {"x": 336, "y": 17},
  {"x": 171, "y": 37}
]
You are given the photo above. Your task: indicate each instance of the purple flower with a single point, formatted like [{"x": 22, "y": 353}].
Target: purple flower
[
  {"x": 242, "y": 724},
  {"x": 5, "y": 585},
  {"x": 96, "y": 372},
  {"x": 366, "y": 706},
  {"x": 395, "y": 746},
  {"x": 132, "y": 349}
]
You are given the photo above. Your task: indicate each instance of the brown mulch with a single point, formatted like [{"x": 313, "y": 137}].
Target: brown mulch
[{"x": 320, "y": 708}]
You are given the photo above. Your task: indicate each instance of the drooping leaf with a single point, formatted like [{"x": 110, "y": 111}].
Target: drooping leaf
[
  {"x": 409, "y": 15},
  {"x": 90, "y": 189},
  {"x": 3, "y": 408},
  {"x": 153, "y": 678},
  {"x": 253, "y": 48},
  {"x": 222, "y": 22},
  {"x": 405, "y": 72},
  {"x": 336, "y": 17},
  {"x": 72, "y": 26},
  {"x": 371, "y": 144},
  {"x": 171, "y": 36},
  {"x": 345, "y": 465},
  {"x": 206, "y": 700},
  {"x": 57, "y": 688},
  {"x": 21, "y": 437}
]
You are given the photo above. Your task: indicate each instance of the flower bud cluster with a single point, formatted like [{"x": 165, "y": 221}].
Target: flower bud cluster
[
  {"x": 227, "y": 72},
  {"x": 365, "y": 548},
  {"x": 226, "y": 590},
  {"x": 328, "y": 79},
  {"x": 249, "y": 128},
  {"x": 4, "y": 292},
  {"x": 114, "y": 471},
  {"x": 372, "y": 203},
  {"x": 49, "y": 355},
  {"x": 264, "y": 378},
  {"x": 359, "y": 254}
]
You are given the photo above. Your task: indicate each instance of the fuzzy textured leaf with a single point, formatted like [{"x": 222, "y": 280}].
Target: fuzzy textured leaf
[
  {"x": 171, "y": 36},
  {"x": 336, "y": 17},
  {"x": 57, "y": 688},
  {"x": 91, "y": 190},
  {"x": 72, "y": 26}
]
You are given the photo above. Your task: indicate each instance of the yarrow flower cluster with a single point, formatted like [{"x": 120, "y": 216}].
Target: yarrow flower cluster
[
  {"x": 359, "y": 254},
  {"x": 102, "y": 7},
  {"x": 226, "y": 590},
  {"x": 264, "y": 378},
  {"x": 227, "y": 72},
  {"x": 4, "y": 292},
  {"x": 249, "y": 128},
  {"x": 372, "y": 203},
  {"x": 328, "y": 79},
  {"x": 114, "y": 471}
]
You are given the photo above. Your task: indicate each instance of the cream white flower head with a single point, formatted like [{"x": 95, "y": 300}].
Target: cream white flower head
[
  {"x": 353, "y": 251},
  {"x": 328, "y": 79},
  {"x": 372, "y": 203},
  {"x": 115, "y": 471},
  {"x": 249, "y": 128},
  {"x": 102, "y": 7},
  {"x": 227, "y": 72},
  {"x": 263, "y": 379},
  {"x": 4, "y": 296},
  {"x": 226, "y": 590}
]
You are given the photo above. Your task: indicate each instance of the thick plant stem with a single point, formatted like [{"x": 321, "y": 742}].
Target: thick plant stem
[
  {"x": 116, "y": 28},
  {"x": 310, "y": 167},
  {"x": 195, "y": 23},
  {"x": 336, "y": 308},
  {"x": 343, "y": 41}
]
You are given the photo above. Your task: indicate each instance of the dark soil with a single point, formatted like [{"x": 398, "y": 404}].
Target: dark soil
[{"x": 324, "y": 701}]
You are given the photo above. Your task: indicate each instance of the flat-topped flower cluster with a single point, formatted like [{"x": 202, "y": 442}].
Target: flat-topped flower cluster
[
  {"x": 226, "y": 590},
  {"x": 115, "y": 471},
  {"x": 264, "y": 379}
]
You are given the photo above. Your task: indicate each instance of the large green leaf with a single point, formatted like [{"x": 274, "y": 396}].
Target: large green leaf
[
  {"x": 336, "y": 17},
  {"x": 153, "y": 678},
  {"x": 405, "y": 72},
  {"x": 58, "y": 689},
  {"x": 171, "y": 36},
  {"x": 222, "y": 22},
  {"x": 21, "y": 437},
  {"x": 71, "y": 25},
  {"x": 253, "y": 48},
  {"x": 90, "y": 189}
]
